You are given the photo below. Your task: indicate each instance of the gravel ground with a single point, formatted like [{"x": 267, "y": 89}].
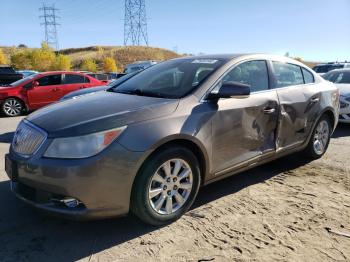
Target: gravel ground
[{"x": 288, "y": 210}]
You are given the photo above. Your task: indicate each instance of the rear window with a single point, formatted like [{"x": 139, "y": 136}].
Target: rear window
[
  {"x": 287, "y": 74},
  {"x": 326, "y": 68},
  {"x": 74, "y": 79}
]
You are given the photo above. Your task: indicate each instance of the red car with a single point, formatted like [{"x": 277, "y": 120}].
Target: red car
[{"x": 41, "y": 89}]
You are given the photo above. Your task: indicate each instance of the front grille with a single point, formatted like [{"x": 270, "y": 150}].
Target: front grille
[{"x": 27, "y": 139}]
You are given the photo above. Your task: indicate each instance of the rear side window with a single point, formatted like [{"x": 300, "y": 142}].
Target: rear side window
[
  {"x": 50, "y": 80},
  {"x": 253, "y": 73},
  {"x": 74, "y": 79},
  {"x": 308, "y": 77},
  {"x": 287, "y": 74}
]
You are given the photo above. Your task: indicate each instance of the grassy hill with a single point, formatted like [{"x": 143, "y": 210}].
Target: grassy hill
[{"x": 122, "y": 54}]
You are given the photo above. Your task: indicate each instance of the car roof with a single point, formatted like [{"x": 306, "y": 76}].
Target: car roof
[
  {"x": 61, "y": 72},
  {"x": 242, "y": 56}
]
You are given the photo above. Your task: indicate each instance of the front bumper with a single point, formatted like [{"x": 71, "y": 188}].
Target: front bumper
[
  {"x": 344, "y": 113},
  {"x": 102, "y": 183}
]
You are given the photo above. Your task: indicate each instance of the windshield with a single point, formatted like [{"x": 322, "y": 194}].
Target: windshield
[
  {"x": 171, "y": 79},
  {"x": 23, "y": 80},
  {"x": 338, "y": 77}
]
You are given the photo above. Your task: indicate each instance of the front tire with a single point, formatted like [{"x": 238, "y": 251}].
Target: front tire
[
  {"x": 166, "y": 186},
  {"x": 12, "y": 107},
  {"x": 320, "y": 138}
]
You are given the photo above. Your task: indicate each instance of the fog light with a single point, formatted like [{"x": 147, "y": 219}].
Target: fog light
[{"x": 68, "y": 202}]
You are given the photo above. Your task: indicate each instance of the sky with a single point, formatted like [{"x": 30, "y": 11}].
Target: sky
[{"x": 315, "y": 30}]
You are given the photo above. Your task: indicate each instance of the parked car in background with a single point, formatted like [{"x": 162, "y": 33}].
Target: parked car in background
[
  {"x": 8, "y": 75},
  {"x": 324, "y": 68},
  {"x": 41, "y": 89},
  {"x": 105, "y": 78},
  {"x": 341, "y": 78},
  {"x": 113, "y": 76},
  {"x": 92, "y": 90},
  {"x": 26, "y": 73},
  {"x": 147, "y": 145},
  {"x": 137, "y": 66}
]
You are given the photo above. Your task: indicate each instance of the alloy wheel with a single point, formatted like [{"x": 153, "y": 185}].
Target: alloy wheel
[
  {"x": 321, "y": 137},
  {"x": 170, "y": 186},
  {"x": 12, "y": 107}
]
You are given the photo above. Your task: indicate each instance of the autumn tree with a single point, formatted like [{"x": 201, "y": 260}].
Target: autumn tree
[
  {"x": 3, "y": 59},
  {"x": 44, "y": 58},
  {"x": 89, "y": 65},
  {"x": 63, "y": 62},
  {"x": 21, "y": 59},
  {"x": 109, "y": 65}
]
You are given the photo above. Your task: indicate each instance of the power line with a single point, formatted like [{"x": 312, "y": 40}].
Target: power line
[
  {"x": 50, "y": 18},
  {"x": 135, "y": 23}
]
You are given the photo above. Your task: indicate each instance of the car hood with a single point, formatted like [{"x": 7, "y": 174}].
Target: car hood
[
  {"x": 6, "y": 88},
  {"x": 343, "y": 88},
  {"x": 101, "y": 111}
]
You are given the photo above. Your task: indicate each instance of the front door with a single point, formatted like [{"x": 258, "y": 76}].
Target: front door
[
  {"x": 48, "y": 91},
  {"x": 244, "y": 128}
]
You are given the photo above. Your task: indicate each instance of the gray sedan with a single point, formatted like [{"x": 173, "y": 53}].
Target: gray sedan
[{"x": 147, "y": 146}]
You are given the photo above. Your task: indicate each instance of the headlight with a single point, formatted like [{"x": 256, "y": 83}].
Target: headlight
[{"x": 82, "y": 146}]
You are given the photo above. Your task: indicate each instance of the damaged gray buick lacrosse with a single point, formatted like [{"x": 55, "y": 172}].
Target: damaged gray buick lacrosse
[{"x": 147, "y": 145}]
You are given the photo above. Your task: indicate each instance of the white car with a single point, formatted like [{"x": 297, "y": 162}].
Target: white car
[{"x": 341, "y": 78}]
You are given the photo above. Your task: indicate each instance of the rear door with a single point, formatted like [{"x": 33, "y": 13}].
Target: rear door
[
  {"x": 48, "y": 91},
  {"x": 73, "y": 82},
  {"x": 244, "y": 128},
  {"x": 299, "y": 101}
]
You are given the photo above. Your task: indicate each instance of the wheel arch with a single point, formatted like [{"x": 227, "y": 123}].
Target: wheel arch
[
  {"x": 21, "y": 100},
  {"x": 190, "y": 143}
]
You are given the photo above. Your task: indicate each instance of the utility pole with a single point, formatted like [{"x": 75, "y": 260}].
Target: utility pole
[
  {"x": 135, "y": 23},
  {"x": 49, "y": 19}
]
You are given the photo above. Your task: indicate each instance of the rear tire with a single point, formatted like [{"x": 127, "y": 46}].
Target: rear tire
[
  {"x": 320, "y": 138},
  {"x": 166, "y": 186},
  {"x": 12, "y": 107}
]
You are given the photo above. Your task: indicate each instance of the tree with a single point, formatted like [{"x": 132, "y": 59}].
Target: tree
[
  {"x": 109, "y": 65},
  {"x": 3, "y": 59},
  {"x": 43, "y": 59},
  {"x": 88, "y": 65},
  {"x": 63, "y": 62},
  {"x": 21, "y": 60}
]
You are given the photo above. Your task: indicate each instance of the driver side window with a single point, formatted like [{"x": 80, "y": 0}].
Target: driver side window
[
  {"x": 252, "y": 73},
  {"x": 50, "y": 80}
]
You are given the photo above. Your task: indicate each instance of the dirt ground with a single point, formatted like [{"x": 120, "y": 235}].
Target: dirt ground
[{"x": 287, "y": 210}]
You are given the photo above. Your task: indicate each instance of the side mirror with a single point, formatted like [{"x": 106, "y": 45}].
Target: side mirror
[
  {"x": 35, "y": 84},
  {"x": 231, "y": 89}
]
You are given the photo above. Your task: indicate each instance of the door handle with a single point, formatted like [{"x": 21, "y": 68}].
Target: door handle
[
  {"x": 315, "y": 100},
  {"x": 56, "y": 89},
  {"x": 269, "y": 110}
]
